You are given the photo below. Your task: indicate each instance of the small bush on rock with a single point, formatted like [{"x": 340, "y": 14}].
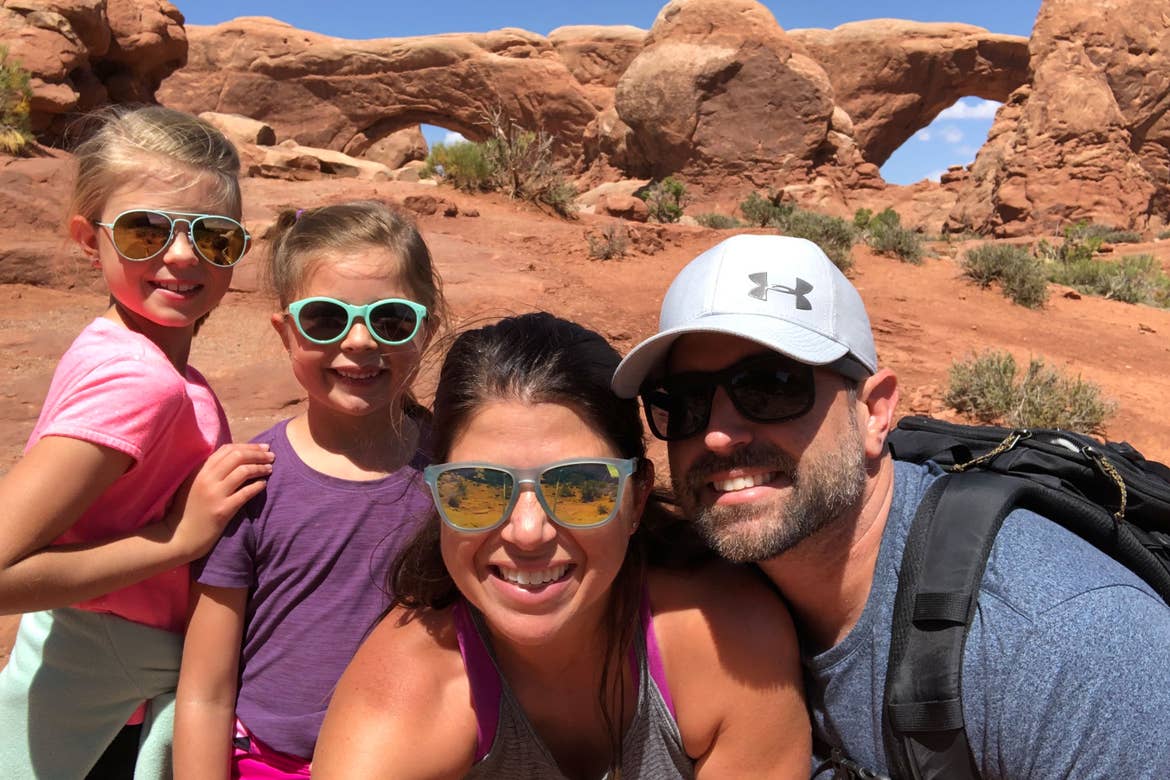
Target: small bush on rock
[
  {"x": 718, "y": 221},
  {"x": 613, "y": 242},
  {"x": 885, "y": 234},
  {"x": 15, "y": 102}
]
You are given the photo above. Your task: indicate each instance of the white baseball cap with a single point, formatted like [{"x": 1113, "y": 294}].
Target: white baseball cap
[{"x": 778, "y": 291}]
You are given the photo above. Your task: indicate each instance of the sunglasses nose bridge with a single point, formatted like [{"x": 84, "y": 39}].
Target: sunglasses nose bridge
[{"x": 528, "y": 525}]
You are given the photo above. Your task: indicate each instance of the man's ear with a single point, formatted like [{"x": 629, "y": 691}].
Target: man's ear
[
  {"x": 85, "y": 235},
  {"x": 879, "y": 395}
]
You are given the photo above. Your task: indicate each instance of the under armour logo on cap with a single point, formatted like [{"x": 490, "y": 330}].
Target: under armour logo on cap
[{"x": 798, "y": 292}]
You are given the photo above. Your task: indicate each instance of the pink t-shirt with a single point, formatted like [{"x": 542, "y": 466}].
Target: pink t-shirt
[{"x": 116, "y": 388}]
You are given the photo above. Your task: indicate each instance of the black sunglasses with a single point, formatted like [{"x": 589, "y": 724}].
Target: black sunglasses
[{"x": 764, "y": 389}]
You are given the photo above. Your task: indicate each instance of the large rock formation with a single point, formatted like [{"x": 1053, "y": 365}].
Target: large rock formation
[
  {"x": 1089, "y": 138},
  {"x": 721, "y": 89},
  {"x": 340, "y": 94},
  {"x": 82, "y": 54},
  {"x": 893, "y": 77}
]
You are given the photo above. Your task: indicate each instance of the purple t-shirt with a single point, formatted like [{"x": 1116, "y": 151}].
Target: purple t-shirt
[{"x": 314, "y": 551}]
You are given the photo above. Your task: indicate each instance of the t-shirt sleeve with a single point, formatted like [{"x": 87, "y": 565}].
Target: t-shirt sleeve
[
  {"x": 1087, "y": 694},
  {"x": 124, "y": 404},
  {"x": 232, "y": 561}
]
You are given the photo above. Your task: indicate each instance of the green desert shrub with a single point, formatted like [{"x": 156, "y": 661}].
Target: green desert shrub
[
  {"x": 665, "y": 199},
  {"x": 1021, "y": 276},
  {"x": 1132, "y": 279},
  {"x": 718, "y": 221},
  {"x": 15, "y": 102},
  {"x": 987, "y": 388},
  {"x": 463, "y": 164},
  {"x": 832, "y": 234},
  {"x": 885, "y": 235},
  {"x": 759, "y": 211},
  {"x": 517, "y": 162},
  {"x": 1085, "y": 231}
]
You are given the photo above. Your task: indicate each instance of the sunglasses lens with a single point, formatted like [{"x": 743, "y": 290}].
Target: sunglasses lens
[
  {"x": 678, "y": 410},
  {"x": 772, "y": 392},
  {"x": 581, "y": 494},
  {"x": 221, "y": 241},
  {"x": 472, "y": 498},
  {"x": 322, "y": 321},
  {"x": 393, "y": 322},
  {"x": 139, "y": 235}
]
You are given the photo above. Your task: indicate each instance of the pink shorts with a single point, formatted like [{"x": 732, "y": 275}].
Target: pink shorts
[{"x": 260, "y": 762}]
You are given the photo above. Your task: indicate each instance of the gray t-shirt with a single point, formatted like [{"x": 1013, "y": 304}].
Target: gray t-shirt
[{"x": 1066, "y": 672}]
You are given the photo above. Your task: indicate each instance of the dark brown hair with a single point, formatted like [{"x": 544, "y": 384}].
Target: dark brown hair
[{"x": 536, "y": 358}]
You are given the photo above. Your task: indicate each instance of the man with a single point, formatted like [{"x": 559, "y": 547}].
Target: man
[{"x": 764, "y": 380}]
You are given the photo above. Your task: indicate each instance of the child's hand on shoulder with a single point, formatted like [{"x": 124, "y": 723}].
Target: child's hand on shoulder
[{"x": 214, "y": 493}]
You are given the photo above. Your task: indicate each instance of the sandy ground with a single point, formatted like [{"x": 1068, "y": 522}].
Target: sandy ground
[{"x": 511, "y": 258}]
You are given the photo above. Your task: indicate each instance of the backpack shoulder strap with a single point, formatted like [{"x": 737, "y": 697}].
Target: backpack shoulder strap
[{"x": 946, "y": 553}]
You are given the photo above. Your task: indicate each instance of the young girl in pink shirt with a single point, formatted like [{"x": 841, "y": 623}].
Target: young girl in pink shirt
[{"x": 93, "y": 543}]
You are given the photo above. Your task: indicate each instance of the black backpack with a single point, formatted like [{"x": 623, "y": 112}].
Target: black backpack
[{"x": 1106, "y": 493}]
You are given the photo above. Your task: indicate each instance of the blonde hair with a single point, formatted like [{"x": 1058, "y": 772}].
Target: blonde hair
[{"x": 128, "y": 140}]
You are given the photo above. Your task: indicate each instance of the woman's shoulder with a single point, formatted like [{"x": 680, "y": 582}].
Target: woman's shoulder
[{"x": 403, "y": 704}]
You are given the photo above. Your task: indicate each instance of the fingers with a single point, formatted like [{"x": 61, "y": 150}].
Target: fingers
[{"x": 237, "y": 462}]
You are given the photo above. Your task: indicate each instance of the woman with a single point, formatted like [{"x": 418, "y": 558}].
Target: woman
[{"x": 530, "y": 637}]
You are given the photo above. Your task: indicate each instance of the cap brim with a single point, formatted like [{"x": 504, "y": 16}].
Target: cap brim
[{"x": 787, "y": 338}]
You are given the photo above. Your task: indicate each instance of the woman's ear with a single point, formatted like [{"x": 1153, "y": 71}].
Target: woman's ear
[
  {"x": 84, "y": 233},
  {"x": 879, "y": 395},
  {"x": 643, "y": 481}
]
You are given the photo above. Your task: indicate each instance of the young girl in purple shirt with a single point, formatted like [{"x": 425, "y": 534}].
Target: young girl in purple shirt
[{"x": 289, "y": 591}]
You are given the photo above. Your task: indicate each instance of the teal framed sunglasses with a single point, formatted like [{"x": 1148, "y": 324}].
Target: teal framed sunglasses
[
  {"x": 141, "y": 234},
  {"x": 391, "y": 321},
  {"x": 576, "y": 493}
]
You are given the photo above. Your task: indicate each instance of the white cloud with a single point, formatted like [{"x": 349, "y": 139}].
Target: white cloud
[
  {"x": 982, "y": 109},
  {"x": 453, "y": 138},
  {"x": 952, "y": 135},
  {"x": 923, "y": 135}
]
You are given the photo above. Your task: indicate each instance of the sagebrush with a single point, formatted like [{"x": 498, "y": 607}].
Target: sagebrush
[
  {"x": 518, "y": 162},
  {"x": 15, "y": 103},
  {"x": 665, "y": 199},
  {"x": 613, "y": 242},
  {"x": 986, "y": 387},
  {"x": 1022, "y": 277},
  {"x": 884, "y": 233},
  {"x": 833, "y": 235},
  {"x": 718, "y": 221}
]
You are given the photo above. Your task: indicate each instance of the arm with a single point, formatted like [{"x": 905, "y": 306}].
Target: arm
[
  {"x": 730, "y": 655},
  {"x": 59, "y": 478},
  {"x": 402, "y": 709},
  {"x": 205, "y": 708}
]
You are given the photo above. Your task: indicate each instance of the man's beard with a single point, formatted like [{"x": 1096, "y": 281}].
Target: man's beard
[{"x": 823, "y": 487}]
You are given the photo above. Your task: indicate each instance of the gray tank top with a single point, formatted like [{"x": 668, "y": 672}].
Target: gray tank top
[{"x": 509, "y": 747}]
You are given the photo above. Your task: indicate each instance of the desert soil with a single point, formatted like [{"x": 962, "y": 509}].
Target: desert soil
[{"x": 511, "y": 258}]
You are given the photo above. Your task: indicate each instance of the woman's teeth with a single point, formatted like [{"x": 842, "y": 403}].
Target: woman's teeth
[
  {"x": 743, "y": 483},
  {"x": 530, "y": 578}
]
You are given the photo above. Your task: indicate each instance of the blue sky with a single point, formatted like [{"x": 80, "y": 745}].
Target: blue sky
[{"x": 952, "y": 139}]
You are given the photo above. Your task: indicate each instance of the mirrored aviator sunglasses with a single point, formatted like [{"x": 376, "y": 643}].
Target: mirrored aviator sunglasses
[
  {"x": 391, "y": 321},
  {"x": 764, "y": 389},
  {"x": 141, "y": 234},
  {"x": 578, "y": 493}
]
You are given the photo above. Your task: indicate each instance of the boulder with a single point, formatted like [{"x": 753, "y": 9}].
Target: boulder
[
  {"x": 721, "y": 91},
  {"x": 82, "y": 54},
  {"x": 241, "y": 130},
  {"x": 394, "y": 150},
  {"x": 1089, "y": 138},
  {"x": 294, "y": 161}
]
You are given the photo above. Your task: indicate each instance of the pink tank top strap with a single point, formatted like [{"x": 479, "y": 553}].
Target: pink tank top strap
[
  {"x": 483, "y": 678},
  {"x": 653, "y": 656}
]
